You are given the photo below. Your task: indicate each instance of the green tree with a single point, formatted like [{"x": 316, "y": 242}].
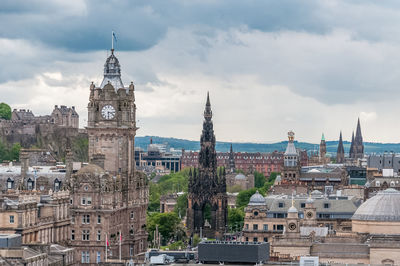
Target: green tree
[
  {"x": 234, "y": 189},
  {"x": 14, "y": 152},
  {"x": 80, "y": 148},
  {"x": 235, "y": 218},
  {"x": 259, "y": 179},
  {"x": 5, "y": 111},
  {"x": 154, "y": 199},
  {"x": 167, "y": 225},
  {"x": 181, "y": 206}
]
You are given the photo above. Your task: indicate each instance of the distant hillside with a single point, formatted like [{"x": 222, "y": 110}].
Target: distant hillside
[{"x": 331, "y": 146}]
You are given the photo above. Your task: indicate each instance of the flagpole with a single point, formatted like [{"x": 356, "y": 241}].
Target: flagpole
[
  {"x": 112, "y": 40},
  {"x": 120, "y": 240},
  {"x": 106, "y": 248}
]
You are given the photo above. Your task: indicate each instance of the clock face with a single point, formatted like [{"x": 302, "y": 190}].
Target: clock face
[
  {"x": 292, "y": 226},
  {"x": 108, "y": 112},
  {"x": 309, "y": 215}
]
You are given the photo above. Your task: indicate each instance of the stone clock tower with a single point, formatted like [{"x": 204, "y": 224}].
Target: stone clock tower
[
  {"x": 112, "y": 123},
  {"x": 118, "y": 195}
]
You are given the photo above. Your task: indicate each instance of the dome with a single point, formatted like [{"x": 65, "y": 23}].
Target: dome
[
  {"x": 316, "y": 193},
  {"x": 292, "y": 209},
  {"x": 257, "y": 199},
  {"x": 240, "y": 176},
  {"x": 384, "y": 206},
  {"x": 314, "y": 171},
  {"x": 91, "y": 169},
  {"x": 112, "y": 72}
]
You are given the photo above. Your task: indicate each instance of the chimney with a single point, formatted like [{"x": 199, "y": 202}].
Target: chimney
[
  {"x": 24, "y": 159},
  {"x": 98, "y": 159},
  {"x": 73, "y": 107},
  {"x": 69, "y": 162}
]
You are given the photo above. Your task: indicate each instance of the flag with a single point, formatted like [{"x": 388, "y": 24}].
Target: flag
[
  {"x": 120, "y": 236},
  {"x": 115, "y": 36},
  {"x": 107, "y": 244}
]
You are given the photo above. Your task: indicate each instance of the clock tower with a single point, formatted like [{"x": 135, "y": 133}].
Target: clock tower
[{"x": 112, "y": 122}]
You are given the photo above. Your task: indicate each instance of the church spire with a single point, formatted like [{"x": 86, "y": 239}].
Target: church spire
[
  {"x": 232, "y": 166},
  {"x": 358, "y": 132},
  {"x": 340, "y": 150}
]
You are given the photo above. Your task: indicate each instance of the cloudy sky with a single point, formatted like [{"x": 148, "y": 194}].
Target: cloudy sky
[{"x": 270, "y": 66}]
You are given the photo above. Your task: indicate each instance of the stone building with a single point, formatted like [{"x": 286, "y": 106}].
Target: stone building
[
  {"x": 207, "y": 199},
  {"x": 54, "y": 132},
  {"x": 267, "y": 217},
  {"x": 374, "y": 239},
  {"x": 36, "y": 217},
  {"x": 109, "y": 198},
  {"x": 248, "y": 162},
  {"x": 244, "y": 181}
]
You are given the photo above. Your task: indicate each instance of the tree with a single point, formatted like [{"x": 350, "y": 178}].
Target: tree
[
  {"x": 80, "y": 148},
  {"x": 244, "y": 196},
  {"x": 9, "y": 154},
  {"x": 235, "y": 218},
  {"x": 181, "y": 206},
  {"x": 167, "y": 225},
  {"x": 259, "y": 179},
  {"x": 5, "y": 111}
]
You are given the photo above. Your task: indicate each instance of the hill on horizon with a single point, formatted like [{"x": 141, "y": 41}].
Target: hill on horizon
[{"x": 331, "y": 146}]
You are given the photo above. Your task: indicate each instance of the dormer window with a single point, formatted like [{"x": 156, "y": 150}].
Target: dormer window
[
  {"x": 326, "y": 205},
  {"x": 10, "y": 183},
  {"x": 57, "y": 184},
  {"x": 281, "y": 204},
  {"x": 31, "y": 184}
]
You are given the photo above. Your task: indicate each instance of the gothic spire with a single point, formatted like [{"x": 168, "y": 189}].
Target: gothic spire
[
  {"x": 340, "y": 150},
  {"x": 232, "y": 166},
  {"x": 207, "y": 111},
  {"x": 351, "y": 152},
  {"x": 358, "y": 132}
]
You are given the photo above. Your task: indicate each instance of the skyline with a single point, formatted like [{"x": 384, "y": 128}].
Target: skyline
[{"x": 313, "y": 68}]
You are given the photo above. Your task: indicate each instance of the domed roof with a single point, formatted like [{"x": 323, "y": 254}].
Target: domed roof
[
  {"x": 112, "y": 72},
  {"x": 384, "y": 206},
  {"x": 314, "y": 171},
  {"x": 316, "y": 192},
  {"x": 257, "y": 199},
  {"x": 240, "y": 176},
  {"x": 292, "y": 209},
  {"x": 91, "y": 169}
]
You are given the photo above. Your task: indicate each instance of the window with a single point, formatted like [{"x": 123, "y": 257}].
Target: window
[
  {"x": 85, "y": 235},
  {"x": 85, "y": 257},
  {"x": 72, "y": 219},
  {"x": 247, "y": 239},
  {"x": 255, "y": 239},
  {"x": 89, "y": 201},
  {"x": 98, "y": 257},
  {"x": 131, "y": 251},
  {"x": 10, "y": 183},
  {"x": 83, "y": 201},
  {"x": 302, "y": 205},
  {"x": 98, "y": 235},
  {"x": 31, "y": 184},
  {"x": 281, "y": 204},
  {"x": 265, "y": 227},
  {"x": 11, "y": 219},
  {"x": 86, "y": 219},
  {"x": 265, "y": 239},
  {"x": 255, "y": 226},
  {"x": 255, "y": 213},
  {"x": 247, "y": 226},
  {"x": 99, "y": 219},
  {"x": 132, "y": 215},
  {"x": 72, "y": 234},
  {"x": 326, "y": 205},
  {"x": 279, "y": 227}
]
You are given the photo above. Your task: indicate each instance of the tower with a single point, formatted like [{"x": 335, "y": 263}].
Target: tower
[
  {"x": 207, "y": 200},
  {"x": 232, "y": 167},
  {"x": 292, "y": 221},
  {"x": 357, "y": 145},
  {"x": 322, "y": 149},
  {"x": 340, "y": 150},
  {"x": 291, "y": 166},
  {"x": 115, "y": 196},
  {"x": 351, "y": 152},
  {"x": 310, "y": 213}
]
